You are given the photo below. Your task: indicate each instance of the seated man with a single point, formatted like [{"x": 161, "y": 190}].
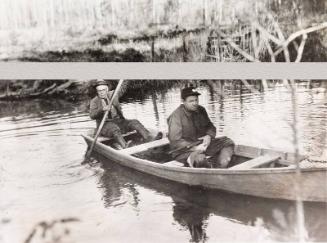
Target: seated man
[
  {"x": 190, "y": 122},
  {"x": 115, "y": 123}
]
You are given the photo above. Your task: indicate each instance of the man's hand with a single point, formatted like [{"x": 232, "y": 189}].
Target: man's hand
[
  {"x": 206, "y": 141},
  {"x": 204, "y": 145},
  {"x": 200, "y": 148},
  {"x": 106, "y": 108}
]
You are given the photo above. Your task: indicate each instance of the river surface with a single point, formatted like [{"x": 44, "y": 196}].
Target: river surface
[{"x": 42, "y": 179}]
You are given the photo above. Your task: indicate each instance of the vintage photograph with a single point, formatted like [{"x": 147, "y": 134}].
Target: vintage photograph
[
  {"x": 100, "y": 160},
  {"x": 163, "y": 30}
]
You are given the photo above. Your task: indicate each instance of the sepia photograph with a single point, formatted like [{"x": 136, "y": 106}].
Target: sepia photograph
[
  {"x": 87, "y": 157},
  {"x": 92, "y": 161},
  {"x": 163, "y": 30}
]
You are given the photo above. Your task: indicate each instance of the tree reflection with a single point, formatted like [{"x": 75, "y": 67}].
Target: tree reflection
[
  {"x": 37, "y": 107},
  {"x": 191, "y": 217},
  {"x": 113, "y": 185}
]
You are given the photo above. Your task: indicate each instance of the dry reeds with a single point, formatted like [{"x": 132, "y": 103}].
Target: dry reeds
[{"x": 258, "y": 41}]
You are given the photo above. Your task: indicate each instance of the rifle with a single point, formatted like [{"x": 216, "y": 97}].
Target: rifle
[{"x": 186, "y": 147}]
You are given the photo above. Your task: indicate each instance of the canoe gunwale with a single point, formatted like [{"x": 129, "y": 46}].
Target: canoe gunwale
[{"x": 217, "y": 171}]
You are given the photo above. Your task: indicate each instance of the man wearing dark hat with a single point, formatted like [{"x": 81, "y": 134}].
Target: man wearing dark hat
[
  {"x": 189, "y": 123},
  {"x": 115, "y": 123}
]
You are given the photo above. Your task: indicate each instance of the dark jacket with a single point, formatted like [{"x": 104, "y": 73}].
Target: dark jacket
[
  {"x": 96, "y": 112},
  {"x": 185, "y": 127}
]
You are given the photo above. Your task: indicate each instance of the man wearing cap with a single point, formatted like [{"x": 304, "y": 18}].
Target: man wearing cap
[
  {"x": 115, "y": 123},
  {"x": 189, "y": 123}
]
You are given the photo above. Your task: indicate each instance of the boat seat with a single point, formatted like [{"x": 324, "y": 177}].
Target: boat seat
[
  {"x": 102, "y": 139},
  {"x": 174, "y": 163},
  {"x": 256, "y": 162},
  {"x": 145, "y": 146}
]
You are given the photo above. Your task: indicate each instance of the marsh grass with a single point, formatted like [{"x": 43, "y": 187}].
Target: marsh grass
[{"x": 30, "y": 30}]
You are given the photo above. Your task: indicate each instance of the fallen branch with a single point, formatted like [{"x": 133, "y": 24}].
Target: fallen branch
[
  {"x": 299, "y": 33},
  {"x": 296, "y": 46},
  {"x": 301, "y": 48},
  {"x": 254, "y": 42},
  {"x": 281, "y": 37},
  {"x": 270, "y": 51},
  {"x": 237, "y": 48},
  {"x": 267, "y": 34},
  {"x": 49, "y": 88},
  {"x": 286, "y": 54},
  {"x": 240, "y": 51},
  {"x": 10, "y": 94},
  {"x": 61, "y": 87},
  {"x": 208, "y": 55}
]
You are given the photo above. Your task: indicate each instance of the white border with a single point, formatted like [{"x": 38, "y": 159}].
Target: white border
[{"x": 194, "y": 70}]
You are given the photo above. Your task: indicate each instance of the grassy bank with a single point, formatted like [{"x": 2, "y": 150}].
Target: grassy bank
[
  {"x": 73, "y": 90},
  {"x": 122, "y": 31},
  {"x": 181, "y": 45}
]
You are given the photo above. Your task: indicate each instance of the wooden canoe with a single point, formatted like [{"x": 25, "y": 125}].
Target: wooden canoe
[{"x": 261, "y": 172}]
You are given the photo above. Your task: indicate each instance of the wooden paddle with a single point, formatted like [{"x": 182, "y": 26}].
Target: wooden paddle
[{"x": 88, "y": 153}]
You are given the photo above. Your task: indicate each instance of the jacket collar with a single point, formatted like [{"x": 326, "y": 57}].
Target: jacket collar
[{"x": 188, "y": 113}]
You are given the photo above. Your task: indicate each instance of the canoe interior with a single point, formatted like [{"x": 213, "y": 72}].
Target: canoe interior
[
  {"x": 276, "y": 178},
  {"x": 243, "y": 153}
]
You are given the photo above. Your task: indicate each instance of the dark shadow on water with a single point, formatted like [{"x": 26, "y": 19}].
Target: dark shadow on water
[
  {"x": 37, "y": 108},
  {"x": 89, "y": 55},
  {"x": 194, "y": 206}
]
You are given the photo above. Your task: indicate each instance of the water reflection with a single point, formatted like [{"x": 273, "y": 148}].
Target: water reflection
[
  {"x": 194, "y": 209},
  {"x": 113, "y": 185},
  {"x": 192, "y": 218},
  {"x": 40, "y": 108}
]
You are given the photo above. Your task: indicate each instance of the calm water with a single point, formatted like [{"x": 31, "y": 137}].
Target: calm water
[{"x": 42, "y": 179}]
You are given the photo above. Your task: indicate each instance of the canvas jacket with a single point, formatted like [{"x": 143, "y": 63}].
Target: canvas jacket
[
  {"x": 186, "y": 127},
  {"x": 96, "y": 112}
]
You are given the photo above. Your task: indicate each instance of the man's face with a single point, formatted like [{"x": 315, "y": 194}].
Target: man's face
[
  {"x": 102, "y": 91},
  {"x": 191, "y": 103}
]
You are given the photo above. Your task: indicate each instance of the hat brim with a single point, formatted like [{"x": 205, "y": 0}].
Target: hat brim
[
  {"x": 98, "y": 83},
  {"x": 190, "y": 94},
  {"x": 196, "y": 93}
]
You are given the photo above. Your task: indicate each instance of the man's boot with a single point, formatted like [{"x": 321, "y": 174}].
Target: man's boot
[
  {"x": 143, "y": 132},
  {"x": 198, "y": 160},
  {"x": 225, "y": 156}
]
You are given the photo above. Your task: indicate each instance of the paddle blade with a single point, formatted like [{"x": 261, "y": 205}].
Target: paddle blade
[{"x": 87, "y": 156}]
